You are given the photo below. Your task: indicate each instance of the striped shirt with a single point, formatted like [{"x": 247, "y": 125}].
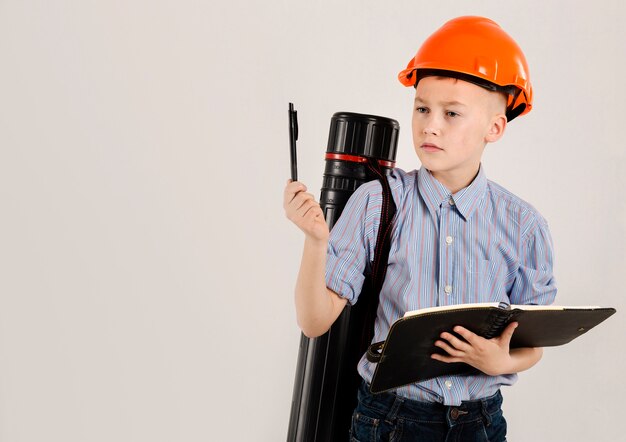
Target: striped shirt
[{"x": 482, "y": 244}]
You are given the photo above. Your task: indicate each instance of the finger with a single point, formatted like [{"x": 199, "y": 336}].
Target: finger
[
  {"x": 469, "y": 336},
  {"x": 291, "y": 185},
  {"x": 449, "y": 349},
  {"x": 307, "y": 204},
  {"x": 446, "y": 359},
  {"x": 300, "y": 200},
  {"x": 308, "y": 209},
  {"x": 291, "y": 190},
  {"x": 298, "y": 186},
  {"x": 454, "y": 341}
]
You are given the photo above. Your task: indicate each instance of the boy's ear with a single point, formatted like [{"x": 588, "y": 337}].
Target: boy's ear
[{"x": 496, "y": 128}]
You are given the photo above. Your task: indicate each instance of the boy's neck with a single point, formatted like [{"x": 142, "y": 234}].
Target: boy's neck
[{"x": 455, "y": 183}]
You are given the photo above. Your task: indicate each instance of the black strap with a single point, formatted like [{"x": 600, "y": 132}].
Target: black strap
[
  {"x": 374, "y": 281},
  {"x": 373, "y": 353}
]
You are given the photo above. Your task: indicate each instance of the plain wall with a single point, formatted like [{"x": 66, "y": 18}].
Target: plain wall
[{"x": 146, "y": 266}]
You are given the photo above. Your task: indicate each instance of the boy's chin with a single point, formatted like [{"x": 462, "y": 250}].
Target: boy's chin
[{"x": 430, "y": 163}]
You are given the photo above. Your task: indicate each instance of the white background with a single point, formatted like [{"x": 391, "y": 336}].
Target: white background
[{"x": 146, "y": 266}]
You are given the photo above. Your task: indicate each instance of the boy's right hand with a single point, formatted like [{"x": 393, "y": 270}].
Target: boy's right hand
[{"x": 306, "y": 213}]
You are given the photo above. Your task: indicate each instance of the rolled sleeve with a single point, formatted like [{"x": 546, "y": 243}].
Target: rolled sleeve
[
  {"x": 352, "y": 242},
  {"x": 534, "y": 282}
]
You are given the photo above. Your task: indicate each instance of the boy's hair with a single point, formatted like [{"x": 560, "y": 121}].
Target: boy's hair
[{"x": 503, "y": 93}]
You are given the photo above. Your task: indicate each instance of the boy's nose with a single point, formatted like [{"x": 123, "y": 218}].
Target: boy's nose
[{"x": 430, "y": 131}]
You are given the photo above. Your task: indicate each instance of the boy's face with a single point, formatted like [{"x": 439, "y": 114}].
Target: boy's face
[{"x": 453, "y": 120}]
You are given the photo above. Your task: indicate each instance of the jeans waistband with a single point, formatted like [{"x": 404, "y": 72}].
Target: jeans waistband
[{"x": 395, "y": 407}]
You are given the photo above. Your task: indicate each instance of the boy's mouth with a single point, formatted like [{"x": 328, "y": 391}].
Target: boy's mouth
[{"x": 429, "y": 147}]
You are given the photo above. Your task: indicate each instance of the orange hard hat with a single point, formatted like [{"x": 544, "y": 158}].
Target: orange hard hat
[{"x": 475, "y": 49}]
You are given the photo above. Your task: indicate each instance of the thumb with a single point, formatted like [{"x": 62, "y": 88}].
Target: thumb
[{"x": 507, "y": 334}]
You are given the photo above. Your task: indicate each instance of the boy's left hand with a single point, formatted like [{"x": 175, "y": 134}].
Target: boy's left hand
[{"x": 491, "y": 356}]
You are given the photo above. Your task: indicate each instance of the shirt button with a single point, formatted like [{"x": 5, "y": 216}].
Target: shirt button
[
  {"x": 451, "y": 202},
  {"x": 448, "y": 384},
  {"x": 448, "y": 289},
  {"x": 448, "y": 240}
]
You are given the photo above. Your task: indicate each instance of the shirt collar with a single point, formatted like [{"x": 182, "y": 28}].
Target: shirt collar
[{"x": 435, "y": 194}]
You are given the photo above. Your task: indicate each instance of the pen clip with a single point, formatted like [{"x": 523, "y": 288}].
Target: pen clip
[{"x": 295, "y": 124}]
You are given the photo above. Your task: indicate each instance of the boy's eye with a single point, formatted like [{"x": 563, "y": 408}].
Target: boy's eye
[
  {"x": 451, "y": 114},
  {"x": 421, "y": 110}
]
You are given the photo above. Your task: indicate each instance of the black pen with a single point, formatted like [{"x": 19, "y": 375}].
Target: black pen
[{"x": 293, "y": 136}]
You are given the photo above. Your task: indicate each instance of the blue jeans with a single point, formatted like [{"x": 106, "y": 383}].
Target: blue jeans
[{"x": 388, "y": 417}]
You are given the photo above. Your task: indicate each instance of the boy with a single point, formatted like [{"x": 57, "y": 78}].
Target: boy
[{"x": 457, "y": 238}]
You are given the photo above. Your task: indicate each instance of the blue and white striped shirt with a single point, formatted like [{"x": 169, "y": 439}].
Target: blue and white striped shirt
[{"x": 482, "y": 244}]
